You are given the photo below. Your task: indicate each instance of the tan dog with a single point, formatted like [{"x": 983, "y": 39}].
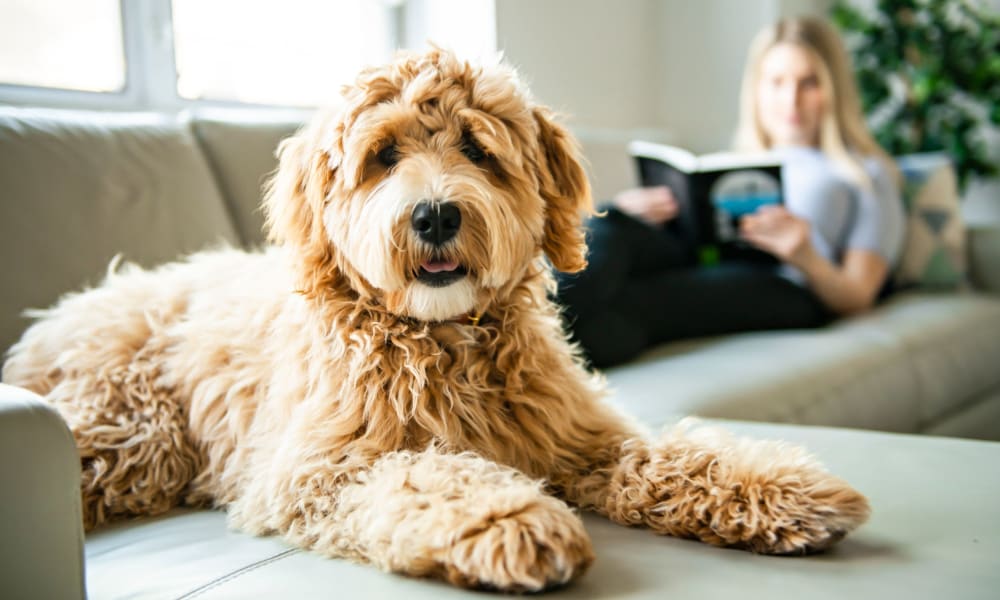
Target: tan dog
[{"x": 390, "y": 381}]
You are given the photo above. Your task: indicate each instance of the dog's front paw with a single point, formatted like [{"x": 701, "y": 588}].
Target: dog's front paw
[
  {"x": 540, "y": 546},
  {"x": 767, "y": 497},
  {"x": 791, "y": 517}
]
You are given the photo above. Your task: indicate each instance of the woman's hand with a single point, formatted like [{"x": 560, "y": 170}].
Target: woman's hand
[
  {"x": 779, "y": 232},
  {"x": 652, "y": 205},
  {"x": 846, "y": 288}
]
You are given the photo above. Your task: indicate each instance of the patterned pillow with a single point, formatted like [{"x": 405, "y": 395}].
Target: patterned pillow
[{"x": 934, "y": 250}]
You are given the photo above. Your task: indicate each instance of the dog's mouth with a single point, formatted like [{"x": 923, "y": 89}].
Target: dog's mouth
[{"x": 440, "y": 273}]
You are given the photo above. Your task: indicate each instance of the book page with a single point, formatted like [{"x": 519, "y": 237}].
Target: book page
[
  {"x": 678, "y": 158},
  {"x": 719, "y": 161}
]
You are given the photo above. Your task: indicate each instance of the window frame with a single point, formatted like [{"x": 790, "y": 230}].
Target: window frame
[{"x": 150, "y": 68}]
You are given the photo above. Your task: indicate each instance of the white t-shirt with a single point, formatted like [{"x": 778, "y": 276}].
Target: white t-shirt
[{"x": 844, "y": 216}]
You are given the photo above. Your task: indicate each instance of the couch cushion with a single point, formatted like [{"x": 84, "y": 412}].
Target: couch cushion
[
  {"x": 241, "y": 146},
  {"x": 934, "y": 532},
  {"x": 980, "y": 419},
  {"x": 81, "y": 187},
  {"x": 952, "y": 343},
  {"x": 905, "y": 365},
  {"x": 851, "y": 378}
]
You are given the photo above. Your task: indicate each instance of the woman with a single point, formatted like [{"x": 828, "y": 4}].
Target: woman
[{"x": 837, "y": 236}]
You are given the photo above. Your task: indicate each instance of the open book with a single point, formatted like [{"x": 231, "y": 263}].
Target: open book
[{"x": 713, "y": 191}]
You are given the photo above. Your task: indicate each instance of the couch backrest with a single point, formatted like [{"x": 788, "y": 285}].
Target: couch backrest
[
  {"x": 79, "y": 187},
  {"x": 240, "y": 148}
]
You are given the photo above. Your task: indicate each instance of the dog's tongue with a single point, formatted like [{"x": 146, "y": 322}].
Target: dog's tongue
[{"x": 438, "y": 266}]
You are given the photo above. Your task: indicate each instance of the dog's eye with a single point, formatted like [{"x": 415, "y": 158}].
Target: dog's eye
[
  {"x": 388, "y": 156},
  {"x": 472, "y": 151}
]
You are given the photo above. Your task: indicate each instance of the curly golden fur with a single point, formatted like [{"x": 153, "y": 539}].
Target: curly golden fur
[{"x": 330, "y": 391}]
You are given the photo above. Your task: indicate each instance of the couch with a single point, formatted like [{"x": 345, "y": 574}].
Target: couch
[{"x": 873, "y": 396}]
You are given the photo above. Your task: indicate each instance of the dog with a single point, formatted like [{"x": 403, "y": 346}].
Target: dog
[{"x": 389, "y": 381}]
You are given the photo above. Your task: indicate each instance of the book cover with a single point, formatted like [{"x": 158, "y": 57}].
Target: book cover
[{"x": 713, "y": 191}]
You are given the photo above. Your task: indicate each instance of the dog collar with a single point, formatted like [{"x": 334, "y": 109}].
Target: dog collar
[{"x": 469, "y": 318}]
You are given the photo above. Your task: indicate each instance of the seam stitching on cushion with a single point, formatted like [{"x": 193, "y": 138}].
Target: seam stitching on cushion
[
  {"x": 916, "y": 351},
  {"x": 833, "y": 394},
  {"x": 976, "y": 402},
  {"x": 237, "y": 573},
  {"x": 910, "y": 353}
]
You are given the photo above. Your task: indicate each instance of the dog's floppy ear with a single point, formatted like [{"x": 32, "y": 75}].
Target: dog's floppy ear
[
  {"x": 295, "y": 199},
  {"x": 290, "y": 207},
  {"x": 566, "y": 191}
]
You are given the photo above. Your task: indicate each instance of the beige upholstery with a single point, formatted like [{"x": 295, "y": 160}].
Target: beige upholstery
[
  {"x": 934, "y": 533},
  {"x": 41, "y": 539},
  {"x": 241, "y": 152},
  {"x": 979, "y": 420},
  {"x": 918, "y": 359},
  {"x": 79, "y": 188},
  {"x": 952, "y": 343}
]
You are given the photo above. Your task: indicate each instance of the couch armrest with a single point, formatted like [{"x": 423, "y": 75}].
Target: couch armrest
[
  {"x": 41, "y": 554},
  {"x": 984, "y": 257}
]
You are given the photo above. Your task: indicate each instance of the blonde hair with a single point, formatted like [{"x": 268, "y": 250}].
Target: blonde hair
[{"x": 843, "y": 134}]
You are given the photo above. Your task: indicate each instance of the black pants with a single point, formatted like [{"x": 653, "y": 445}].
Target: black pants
[{"x": 642, "y": 288}]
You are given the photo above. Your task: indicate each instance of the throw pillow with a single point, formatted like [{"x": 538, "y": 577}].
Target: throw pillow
[{"x": 934, "y": 250}]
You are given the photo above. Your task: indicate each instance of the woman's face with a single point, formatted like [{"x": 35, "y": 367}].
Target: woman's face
[{"x": 790, "y": 100}]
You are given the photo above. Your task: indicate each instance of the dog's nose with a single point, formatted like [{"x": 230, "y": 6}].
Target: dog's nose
[{"x": 436, "y": 222}]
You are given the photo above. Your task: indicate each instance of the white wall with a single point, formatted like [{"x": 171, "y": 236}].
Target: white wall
[
  {"x": 702, "y": 50},
  {"x": 703, "y": 47},
  {"x": 658, "y": 69},
  {"x": 594, "y": 61},
  {"x": 589, "y": 58}
]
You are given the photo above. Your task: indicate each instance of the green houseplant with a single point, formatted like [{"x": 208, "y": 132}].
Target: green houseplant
[{"x": 928, "y": 73}]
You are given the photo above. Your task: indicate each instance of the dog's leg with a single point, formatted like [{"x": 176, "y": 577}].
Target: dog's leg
[
  {"x": 767, "y": 497},
  {"x": 456, "y": 517},
  {"x": 697, "y": 483},
  {"x": 135, "y": 455},
  {"x": 100, "y": 369}
]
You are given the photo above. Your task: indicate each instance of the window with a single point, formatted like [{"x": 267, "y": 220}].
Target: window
[
  {"x": 293, "y": 52},
  {"x": 168, "y": 54},
  {"x": 83, "y": 47}
]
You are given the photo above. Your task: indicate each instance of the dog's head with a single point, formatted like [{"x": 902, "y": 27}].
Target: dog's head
[{"x": 433, "y": 188}]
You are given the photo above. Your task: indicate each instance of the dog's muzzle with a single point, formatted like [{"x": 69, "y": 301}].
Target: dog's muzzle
[{"x": 436, "y": 223}]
